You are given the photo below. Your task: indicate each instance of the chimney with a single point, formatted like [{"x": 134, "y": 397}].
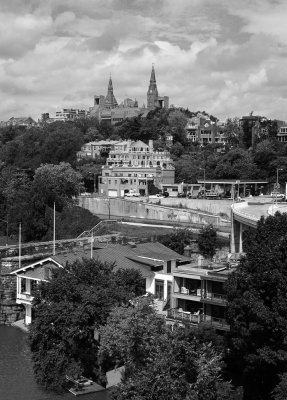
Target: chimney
[
  {"x": 150, "y": 144},
  {"x": 187, "y": 251}
]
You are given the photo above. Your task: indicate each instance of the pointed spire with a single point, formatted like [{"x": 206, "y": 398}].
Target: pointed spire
[
  {"x": 152, "y": 75},
  {"x": 110, "y": 100},
  {"x": 110, "y": 87}
]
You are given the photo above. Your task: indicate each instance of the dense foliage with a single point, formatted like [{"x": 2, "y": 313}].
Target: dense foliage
[
  {"x": 29, "y": 199},
  {"x": 67, "y": 310},
  {"x": 207, "y": 241},
  {"x": 257, "y": 311},
  {"x": 160, "y": 363},
  {"x": 177, "y": 239}
]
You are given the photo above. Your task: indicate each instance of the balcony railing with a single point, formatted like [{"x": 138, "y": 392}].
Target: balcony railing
[
  {"x": 189, "y": 292},
  {"x": 218, "y": 297},
  {"x": 184, "y": 316}
]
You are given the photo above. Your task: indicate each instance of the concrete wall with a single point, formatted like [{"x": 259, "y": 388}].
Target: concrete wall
[
  {"x": 204, "y": 205},
  {"x": 148, "y": 211}
]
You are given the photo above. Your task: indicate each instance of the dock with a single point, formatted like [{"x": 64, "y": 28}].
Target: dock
[{"x": 84, "y": 386}]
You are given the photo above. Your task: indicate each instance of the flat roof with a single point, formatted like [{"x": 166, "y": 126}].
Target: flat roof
[{"x": 231, "y": 181}]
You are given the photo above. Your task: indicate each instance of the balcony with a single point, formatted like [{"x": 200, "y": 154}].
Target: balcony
[
  {"x": 218, "y": 298},
  {"x": 184, "y": 316},
  {"x": 192, "y": 294},
  {"x": 25, "y": 297}
]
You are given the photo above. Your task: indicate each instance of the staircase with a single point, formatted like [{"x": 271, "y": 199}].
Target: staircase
[{"x": 98, "y": 229}]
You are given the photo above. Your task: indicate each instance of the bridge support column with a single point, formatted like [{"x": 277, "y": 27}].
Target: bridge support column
[
  {"x": 236, "y": 236},
  {"x": 240, "y": 238}
]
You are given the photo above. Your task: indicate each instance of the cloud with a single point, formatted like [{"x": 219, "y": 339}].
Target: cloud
[{"x": 226, "y": 57}]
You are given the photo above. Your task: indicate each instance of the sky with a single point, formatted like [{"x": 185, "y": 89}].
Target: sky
[{"x": 226, "y": 57}]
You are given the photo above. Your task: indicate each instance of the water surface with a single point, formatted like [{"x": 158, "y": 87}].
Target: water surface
[{"x": 16, "y": 375}]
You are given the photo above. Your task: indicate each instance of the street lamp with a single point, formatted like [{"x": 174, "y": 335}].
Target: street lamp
[
  {"x": 94, "y": 175},
  {"x": 203, "y": 178},
  {"x": 6, "y": 222}
]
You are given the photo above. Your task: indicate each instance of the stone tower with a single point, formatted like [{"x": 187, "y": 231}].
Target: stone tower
[
  {"x": 152, "y": 94},
  {"x": 110, "y": 100}
]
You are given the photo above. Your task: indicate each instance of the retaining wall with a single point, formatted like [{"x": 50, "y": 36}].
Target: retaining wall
[{"x": 149, "y": 211}]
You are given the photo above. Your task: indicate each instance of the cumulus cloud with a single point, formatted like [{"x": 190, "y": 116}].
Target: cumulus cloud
[{"x": 227, "y": 58}]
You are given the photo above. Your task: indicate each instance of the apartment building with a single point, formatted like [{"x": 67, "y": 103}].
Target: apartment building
[
  {"x": 132, "y": 167},
  {"x": 203, "y": 130},
  {"x": 198, "y": 295}
]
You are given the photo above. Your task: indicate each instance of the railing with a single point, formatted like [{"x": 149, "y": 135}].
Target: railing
[
  {"x": 189, "y": 292},
  {"x": 97, "y": 228},
  {"x": 214, "y": 296},
  {"x": 184, "y": 316}
]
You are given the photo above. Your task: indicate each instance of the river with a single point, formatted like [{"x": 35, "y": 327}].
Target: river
[{"x": 16, "y": 375}]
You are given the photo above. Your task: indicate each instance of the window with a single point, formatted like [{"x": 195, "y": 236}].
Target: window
[
  {"x": 109, "y": 181},
  {"x": 159, "y": 289},
  {"x": 168, "y": 267}
]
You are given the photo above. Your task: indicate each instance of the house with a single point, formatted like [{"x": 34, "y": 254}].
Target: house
[{"x": 154, "y": 261}]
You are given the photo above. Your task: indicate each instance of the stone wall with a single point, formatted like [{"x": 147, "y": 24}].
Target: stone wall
[{"x": 10, "y": 311}]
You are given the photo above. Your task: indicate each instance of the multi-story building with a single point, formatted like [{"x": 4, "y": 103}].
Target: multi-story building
[
  {"x": 282, "y": 134},
  {"x": 93, "y": 149},
  {"x": 203, "y": 130},
  {"x": 132, "y": 166},
  {"x": 198, "y": 296},
  {"x": 26, "y": 122}
]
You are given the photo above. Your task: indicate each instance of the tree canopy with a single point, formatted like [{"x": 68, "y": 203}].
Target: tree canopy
[
  {"x": 160, "y": 363},
  {"x": 257, "y": 309},
  {"x": 67, "y": 310}
]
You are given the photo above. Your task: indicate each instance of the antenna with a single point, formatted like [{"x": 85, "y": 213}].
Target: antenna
[
  {"x": 19, "y": 245},
  {"x": 54, "y": 231}
]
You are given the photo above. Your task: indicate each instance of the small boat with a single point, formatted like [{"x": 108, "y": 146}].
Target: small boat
[{"x": 83, "y": 385}]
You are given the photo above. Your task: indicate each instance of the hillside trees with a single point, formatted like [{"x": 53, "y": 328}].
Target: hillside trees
[
  {"x": 160, "y": 363},
  {"x": 76, "y": 301},
  {"x": 177, "y": 240},
  {"x": 207, "y": 241},
  {"x": 257, "y": 309}
]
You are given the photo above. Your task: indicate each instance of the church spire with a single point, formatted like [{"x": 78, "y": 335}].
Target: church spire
[
  {"x": 152, "y": 75},
  {"x": 152, "y": 93},
  {"x": 110, "y": 100}
]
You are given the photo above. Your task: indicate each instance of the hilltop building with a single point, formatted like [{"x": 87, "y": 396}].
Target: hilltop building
[
  {"x": 26, "y": 122},
  {"x": 132, "y": 166},
  {"x": 106, "y": 108}
]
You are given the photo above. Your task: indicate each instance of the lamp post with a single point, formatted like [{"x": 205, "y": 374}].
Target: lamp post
[
  {"x": 277, "y": 182},
  {"x": 94, "y": 175},
  {"x": 203, "y": 178},
  {"x": 7, "y": 225}
]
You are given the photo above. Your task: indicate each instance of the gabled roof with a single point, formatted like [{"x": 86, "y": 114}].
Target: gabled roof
[
  {"x": 141, "y": 257},
  {"x": 139, "y": 143}
]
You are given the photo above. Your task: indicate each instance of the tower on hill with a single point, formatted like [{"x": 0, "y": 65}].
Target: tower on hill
[
  {"x": 153, "y": 99},
  {"x": 110, "y": 100}
]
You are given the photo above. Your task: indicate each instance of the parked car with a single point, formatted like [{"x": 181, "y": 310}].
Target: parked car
[
  {"x": 278, "y": 195},
  {"x": 156, "y": 196},
  {"x": 132, "y": 194}
]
